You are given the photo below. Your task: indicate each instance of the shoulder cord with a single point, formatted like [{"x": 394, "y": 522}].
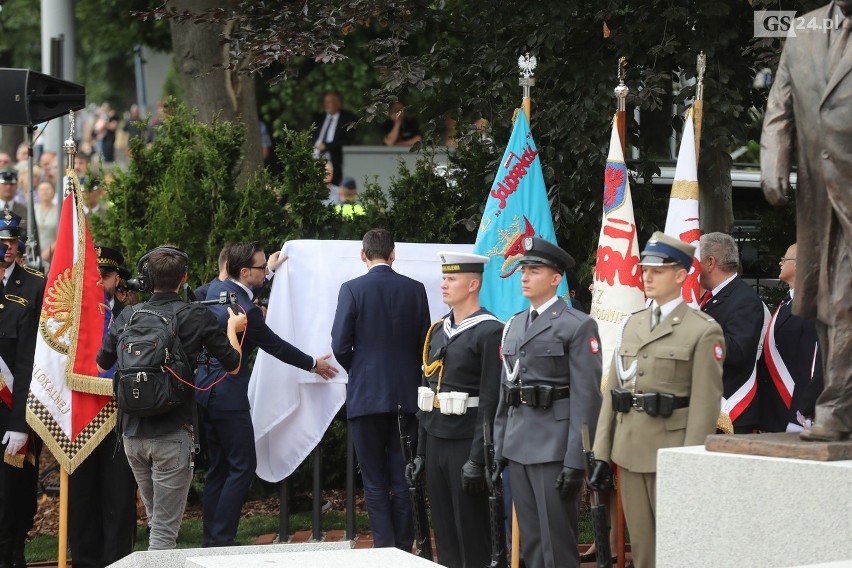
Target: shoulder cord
[
  {"x": 630, "y": 372},
  {"x": 511, "y": 374},
  {"x": 429, "y": 369}
]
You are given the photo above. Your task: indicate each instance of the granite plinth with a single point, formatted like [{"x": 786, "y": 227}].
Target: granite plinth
[
  {"x": 719, "y": 509},
  {"x": 177, "y": 558},
  {"x": 366, "y": 558},
  {"x": 780, "y": 445}
]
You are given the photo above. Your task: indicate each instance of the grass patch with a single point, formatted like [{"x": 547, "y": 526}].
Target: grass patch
[{"x": 44, "y": 547}]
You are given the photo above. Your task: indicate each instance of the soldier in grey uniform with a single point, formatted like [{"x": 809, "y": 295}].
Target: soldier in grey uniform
[
  {"x": 664, "y": 389},
  {"x": 461, "y": 358},
  {"x": 550, "y": 387}
]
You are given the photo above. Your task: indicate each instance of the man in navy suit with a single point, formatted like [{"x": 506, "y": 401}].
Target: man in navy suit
[
  {"x": 227, "y": 420},
  {"x": 331, "y": 133},
  {"x": 377, "y": 336},
  {"x": 740, "y": 312},
  {"x": 789, "y": 373}
]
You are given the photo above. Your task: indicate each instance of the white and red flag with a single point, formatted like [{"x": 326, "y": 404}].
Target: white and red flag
[
  {"x": 69, "y": 406},
  {"x": 682, "y": 218},
  {"x": 618, "y": 290}
]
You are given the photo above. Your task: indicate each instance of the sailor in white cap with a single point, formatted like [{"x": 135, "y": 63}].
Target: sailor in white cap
[{"x": 461, "y": 362}]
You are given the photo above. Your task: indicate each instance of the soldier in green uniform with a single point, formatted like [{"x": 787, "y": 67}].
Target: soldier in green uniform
[{"x": 664, "y": 388}]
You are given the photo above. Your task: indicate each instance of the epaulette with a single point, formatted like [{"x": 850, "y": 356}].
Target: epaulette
[
  {"x": 17, "y": 299},
  {"x": 703, "y": 315},
  {"x": 33, "y": 271}
]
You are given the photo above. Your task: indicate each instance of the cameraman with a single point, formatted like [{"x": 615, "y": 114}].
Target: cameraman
[
  {"x": 227, "y": 418},
  {"x": 160, "y": 447}
]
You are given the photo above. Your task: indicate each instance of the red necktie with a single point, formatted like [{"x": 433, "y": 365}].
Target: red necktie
[{"x": 706, "y": 298}]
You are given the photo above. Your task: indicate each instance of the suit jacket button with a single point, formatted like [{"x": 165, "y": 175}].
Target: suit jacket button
[
  {"x": 524, "y": 369},
  {"x": 825, "y": 155},
  {"x": 641, "y": 373},
  {"x": 523, "y": 352},
  {"x": 644, "y": 355}
]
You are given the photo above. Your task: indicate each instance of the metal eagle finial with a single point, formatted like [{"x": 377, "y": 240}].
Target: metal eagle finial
[{"x": 527, "y": 64}]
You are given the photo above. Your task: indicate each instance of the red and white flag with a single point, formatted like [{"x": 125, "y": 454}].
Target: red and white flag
[
  {"x": 618, "y": 277},
  {"x": 682, "y": 218},
  {"x": 69, "y": 406}
]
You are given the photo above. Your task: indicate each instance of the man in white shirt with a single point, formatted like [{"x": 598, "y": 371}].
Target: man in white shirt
[{"x": 331, "y": 132}]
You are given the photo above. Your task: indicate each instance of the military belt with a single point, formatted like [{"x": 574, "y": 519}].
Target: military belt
[
  {"x": 652, "y": 403},
  {"x": 535, "y": 396}
]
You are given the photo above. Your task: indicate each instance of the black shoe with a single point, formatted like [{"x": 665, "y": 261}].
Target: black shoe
[{"x": 589, "y": 557}]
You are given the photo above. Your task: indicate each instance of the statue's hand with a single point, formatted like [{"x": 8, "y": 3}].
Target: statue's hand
[{"x": 776, "y": 190}]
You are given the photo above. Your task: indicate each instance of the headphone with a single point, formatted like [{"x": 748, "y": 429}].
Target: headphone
[{"x": 146, "y": 282}]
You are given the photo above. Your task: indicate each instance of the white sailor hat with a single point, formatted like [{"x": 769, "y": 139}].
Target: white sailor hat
[{"x": 462, "y": 262}]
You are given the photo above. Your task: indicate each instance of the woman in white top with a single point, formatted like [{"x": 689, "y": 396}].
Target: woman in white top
[{"x": 47, "y": 219}]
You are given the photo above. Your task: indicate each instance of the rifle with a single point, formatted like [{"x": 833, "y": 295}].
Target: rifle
[
  {"x": 417, "y": 495},
  {"x": 495, "y": 504},
  {"x": 600, "y": 516}
]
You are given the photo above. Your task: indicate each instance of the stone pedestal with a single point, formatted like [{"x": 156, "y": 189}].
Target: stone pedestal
[
  {"x": 365, "y": 558},
  {"x": 177, "y": 558},
  {"x": 719, "y": 509}
]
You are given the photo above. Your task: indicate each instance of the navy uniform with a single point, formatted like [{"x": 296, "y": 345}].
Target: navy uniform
[
  {"x": 459, "y": 357},
  {"x": 10, "y": 178},
  {"x": 664, "y": 390},
  {"x": 102, "y": 490},
  {"x": 18, "y": 325},
  {"x": 550, "y": 387}
]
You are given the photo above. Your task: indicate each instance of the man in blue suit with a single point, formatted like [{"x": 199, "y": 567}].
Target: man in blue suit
[
  {"x": 378, "y": 333},
  {"x": 227, "y": 420}
]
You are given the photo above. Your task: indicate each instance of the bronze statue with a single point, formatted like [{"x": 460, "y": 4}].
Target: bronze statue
[{"x": 811, "y": 104}]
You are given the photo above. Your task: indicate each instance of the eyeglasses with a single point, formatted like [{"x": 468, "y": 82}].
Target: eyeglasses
[
  {"x": 784, "y": 259},
  {"x": 261, "y": 267}
]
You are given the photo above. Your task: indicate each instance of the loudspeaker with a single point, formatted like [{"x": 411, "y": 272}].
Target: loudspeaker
[{"x": 28, "y": 98}]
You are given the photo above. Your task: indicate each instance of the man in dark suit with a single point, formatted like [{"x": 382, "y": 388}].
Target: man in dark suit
[
  {"x": 809, "y": 109},
  {"x": 227, "y": 420},
  {"x": 377, "y": 336},
  {"x": 789, "y": 373},
  {"x": 20, "y": 449},
  {"x": 102, "y": 491},
  {"x": 550, "y": 387},
  {"x": 331, "y": 132},
  {"x": 740, "y": 312}
]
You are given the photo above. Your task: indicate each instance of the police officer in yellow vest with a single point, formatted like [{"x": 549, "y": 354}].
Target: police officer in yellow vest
[{"x": 664, "y": 388}]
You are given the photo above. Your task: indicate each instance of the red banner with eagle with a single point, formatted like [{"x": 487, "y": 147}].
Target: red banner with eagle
[{"x": 70, "y": 407}]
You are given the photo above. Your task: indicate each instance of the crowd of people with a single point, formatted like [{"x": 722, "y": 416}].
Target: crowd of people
[{"x": 673, "y": 365}]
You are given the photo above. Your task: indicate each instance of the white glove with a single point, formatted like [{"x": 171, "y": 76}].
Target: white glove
[
  {"x": 15, "y": 441},
  {"x": 791, "y": 427}
]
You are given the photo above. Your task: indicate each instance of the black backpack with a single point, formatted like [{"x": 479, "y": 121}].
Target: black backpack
[{"x": 152, "y": 365}]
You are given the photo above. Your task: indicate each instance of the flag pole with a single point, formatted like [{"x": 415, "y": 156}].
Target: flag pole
[
  {"x": 70, "y": 148},
  {"x": 621, "y": 92},
  {"x": 698, "y": 105},
  {"x": 527, "y": 66},
  {"x": 63, "y": 518}
]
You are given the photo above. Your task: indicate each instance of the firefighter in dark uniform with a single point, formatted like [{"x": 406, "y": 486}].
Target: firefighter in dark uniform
[
  {"x": 102, "y": 490},
  {"x": 20, "y": 303},
  {"x": 461, "y": 360},
  {"x": 664, "y": 389},
  {"x": 550, "y": 387}
]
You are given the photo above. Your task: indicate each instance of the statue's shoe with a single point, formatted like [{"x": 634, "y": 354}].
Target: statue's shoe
[{"x": 822, "y": 433}]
